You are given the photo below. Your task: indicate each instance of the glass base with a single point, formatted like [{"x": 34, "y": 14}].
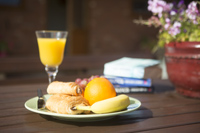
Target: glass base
[{"x": 52, "y": 72}]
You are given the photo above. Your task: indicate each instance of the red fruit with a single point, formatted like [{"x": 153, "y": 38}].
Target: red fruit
[
  {"x": 78, "y": 80},
  {"x": 93, "y": 77},
  {"x": 83, "y": 84}
]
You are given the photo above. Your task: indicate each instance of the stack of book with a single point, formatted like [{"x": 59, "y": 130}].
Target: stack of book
[{"x": 127, "y": 75}]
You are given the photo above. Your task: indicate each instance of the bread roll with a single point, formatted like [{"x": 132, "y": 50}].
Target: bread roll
[
  {"x": 70, "y": 88},
  {"x": 63, "y": 104}
]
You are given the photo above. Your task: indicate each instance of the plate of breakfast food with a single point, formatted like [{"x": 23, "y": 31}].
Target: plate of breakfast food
[{"x": 65, "y": 101}]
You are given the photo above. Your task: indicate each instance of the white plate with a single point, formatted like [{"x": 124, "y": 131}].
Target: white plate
[{"x": 31, "y": 105}]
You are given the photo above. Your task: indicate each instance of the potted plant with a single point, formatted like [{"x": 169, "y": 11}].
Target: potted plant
[{"x": 179, "y": 34}]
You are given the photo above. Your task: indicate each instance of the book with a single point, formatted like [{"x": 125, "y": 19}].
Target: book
[
  {"x": 128, "y": 67},
  {"x": 126, "y": 82},
  {"x": 134, "y": 89}
]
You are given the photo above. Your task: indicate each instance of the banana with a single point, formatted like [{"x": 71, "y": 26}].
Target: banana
[{"x": 113, "y": 104}]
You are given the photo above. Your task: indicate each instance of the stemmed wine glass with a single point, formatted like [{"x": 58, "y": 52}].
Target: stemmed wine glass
[{"x": 51, "y": 50}]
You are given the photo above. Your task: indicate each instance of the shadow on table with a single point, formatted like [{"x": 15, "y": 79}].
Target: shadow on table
[
  {"x": 161, "y": 86},
  {"x": 139, "y": 115}
]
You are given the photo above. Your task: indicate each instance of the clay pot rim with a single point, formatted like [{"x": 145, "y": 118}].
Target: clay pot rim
[{"x": 184, "y": 45}]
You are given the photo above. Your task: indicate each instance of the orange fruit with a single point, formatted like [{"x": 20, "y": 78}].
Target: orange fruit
[{"x": 99, "y": 89}]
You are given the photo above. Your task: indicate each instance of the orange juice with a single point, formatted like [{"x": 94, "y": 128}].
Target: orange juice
[{"x": 51, "y": 50}]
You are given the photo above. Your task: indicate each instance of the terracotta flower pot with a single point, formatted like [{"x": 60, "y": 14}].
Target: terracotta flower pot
[{"x": 183, "y": 67}]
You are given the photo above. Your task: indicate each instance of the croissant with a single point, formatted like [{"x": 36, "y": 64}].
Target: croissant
[
  {"x": 64, "y": 104},
  {"x": 70, "y": 88}
]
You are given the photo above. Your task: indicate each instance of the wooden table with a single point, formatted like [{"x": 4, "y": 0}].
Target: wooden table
[{"x": 162, "y": 111}]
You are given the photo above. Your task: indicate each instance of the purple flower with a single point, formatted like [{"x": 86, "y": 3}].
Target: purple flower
[
  {"x": 158, "y": 6},
  {"x": 154, "y": 21},
  {"x": 168, "y": 7},
  {"x": 167, "y": 25},
  {"x": 178, "y": 8},
  {"x": 173, "y": 12},
  {"x": 181, "y": 3},
  {"x": 192, "y": 12},
  {"x": 175, "y": 29}
]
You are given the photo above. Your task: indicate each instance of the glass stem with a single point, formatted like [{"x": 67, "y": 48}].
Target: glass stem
[{"x": 52, "y": 72}]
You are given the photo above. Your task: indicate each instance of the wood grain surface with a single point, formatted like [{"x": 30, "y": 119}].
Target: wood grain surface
[{"x": 162, "y": 111}]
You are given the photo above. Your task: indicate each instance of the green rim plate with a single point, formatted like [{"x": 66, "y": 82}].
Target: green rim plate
[{"x": 31, "y": 105}]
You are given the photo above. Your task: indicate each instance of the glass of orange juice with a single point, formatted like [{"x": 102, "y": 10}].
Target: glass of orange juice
[{"x": 51, "y": 46}]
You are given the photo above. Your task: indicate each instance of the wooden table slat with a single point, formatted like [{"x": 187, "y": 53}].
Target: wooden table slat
[
  {"x": 118, "y": 123},
  {"x": 193, "y": 128},
  {"x": 160, "y": 112}
]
